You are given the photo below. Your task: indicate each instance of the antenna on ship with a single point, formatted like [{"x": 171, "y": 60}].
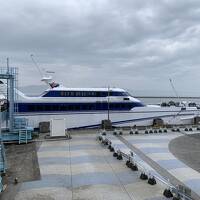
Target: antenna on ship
[
  {"x": 35, "y": 63},
  {"x": 45, "y": 78},
  {"x": 173, "y": 88}
]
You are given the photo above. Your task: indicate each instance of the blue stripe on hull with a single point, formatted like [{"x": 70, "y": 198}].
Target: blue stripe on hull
[{"x": 74, "y": 107}]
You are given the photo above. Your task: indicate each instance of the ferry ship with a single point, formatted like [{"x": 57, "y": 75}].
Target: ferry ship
[{"x": 87, "y": 107}]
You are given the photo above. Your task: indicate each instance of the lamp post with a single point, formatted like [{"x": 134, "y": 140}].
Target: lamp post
[{"x": 108, "y": 103}]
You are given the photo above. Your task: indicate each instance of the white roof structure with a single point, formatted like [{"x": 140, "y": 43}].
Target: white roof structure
[{"x": 62, "y": 88}]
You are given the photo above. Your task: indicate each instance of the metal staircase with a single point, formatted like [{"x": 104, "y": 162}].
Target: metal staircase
[
  {"x": 20, "y": 125},
  {"x": 23, "y": 136}
]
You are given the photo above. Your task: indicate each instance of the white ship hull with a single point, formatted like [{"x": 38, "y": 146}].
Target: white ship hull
[{"x": 142, "y": 116}]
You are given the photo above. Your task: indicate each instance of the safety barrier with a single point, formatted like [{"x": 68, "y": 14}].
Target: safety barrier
[
  {"x": 2, "y": 157},
  {"x": 153, "y": 130},
  {"x": 2, "y": 163},
  {"x": 133, "y": 161},
  {"x": 1, "y": 184}
]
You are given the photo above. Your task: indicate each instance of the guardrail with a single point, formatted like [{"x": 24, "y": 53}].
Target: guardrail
[{"x": 133, "y": 161}]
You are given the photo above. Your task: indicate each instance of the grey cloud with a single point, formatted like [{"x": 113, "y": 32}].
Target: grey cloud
[{"x": 131, "y": 44}]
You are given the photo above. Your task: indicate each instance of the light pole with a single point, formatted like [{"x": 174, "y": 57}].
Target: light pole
[{"x": 108, "y": 103}]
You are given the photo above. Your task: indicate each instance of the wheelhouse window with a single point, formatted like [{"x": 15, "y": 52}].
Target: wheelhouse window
[{"x": 84, "y": 93}]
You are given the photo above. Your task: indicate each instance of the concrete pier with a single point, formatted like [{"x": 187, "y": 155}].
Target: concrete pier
[{"x": 81, "y": 168}]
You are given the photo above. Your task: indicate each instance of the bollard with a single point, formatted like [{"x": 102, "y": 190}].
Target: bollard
[
  {"x": 128, "y": 163},
  {"x": 114, "y": 154},
  {"x": 167, "y": 193},
  {"x": 112, "y": 149},
  {"x": 160, "y": 131},
  {"x": 16, "y": 180},
  {"x": 134, "y": 167},
  {"x": 136, "y": 132},
  {"x": 119, "y": 157},
  {"x": 104, "y": 133},
  {"x": 165, "y": 131},
  {"x": 152, "y": 181},
  {"x": 143, "y": 176},
  {"x": 146, "y": 132}
]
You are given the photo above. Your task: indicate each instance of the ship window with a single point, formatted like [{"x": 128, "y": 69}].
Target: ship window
[
  {"x": 70, "y": 107},
  {"x": 89, "y": 107},
  {"x": 102, "y": 94},
  {"x": 55, "y": 108},
  {"x": 62, "y": 107},
  {"x": 129, "y": 106},
  {"x": 47, "y": 107},
  {"x": 31, "y": 108},
  {"x": 77, "y": 107},
  {"x": 111, "y": 106},
  {"x": 122, "y": 106},
  {"x": 117, "y": 106},
  {"x": 39, "y": 108},
  {"x": 85, "y": 107}
]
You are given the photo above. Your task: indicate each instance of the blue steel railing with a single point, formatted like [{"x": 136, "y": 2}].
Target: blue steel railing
[
  {"x": 2, "y": 157},
  {"x": 21, "y": 126},
  {"x": 1, "y": 184}
]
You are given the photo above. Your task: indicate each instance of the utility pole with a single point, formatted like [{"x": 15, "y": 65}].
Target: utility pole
[{"x": 108, "y": 103}]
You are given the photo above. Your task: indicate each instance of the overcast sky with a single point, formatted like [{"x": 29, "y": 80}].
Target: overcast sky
[{"x": 133, "y": 44}]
